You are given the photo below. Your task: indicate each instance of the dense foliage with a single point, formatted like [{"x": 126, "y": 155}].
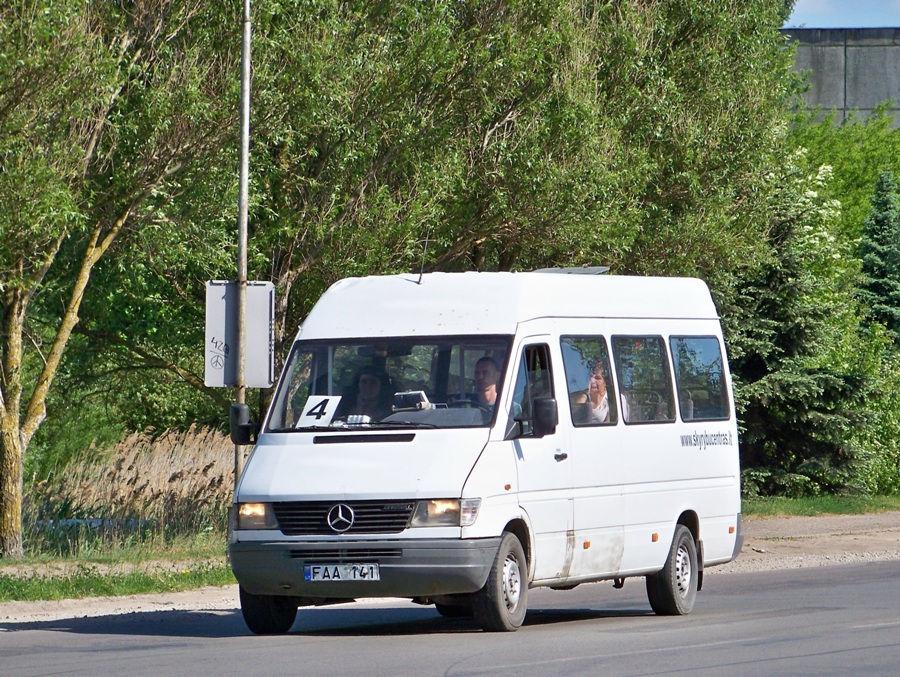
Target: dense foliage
[
  {"x": 108, "y": 115},
  {"x": 799, "y": 373},
  {"x": 477, "y": 135},
  {"x": 862, "y": 156},
  {"x": 393, "y": 136}
]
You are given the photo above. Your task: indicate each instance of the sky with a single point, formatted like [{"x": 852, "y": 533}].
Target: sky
[{"x": 845, "y": 14}]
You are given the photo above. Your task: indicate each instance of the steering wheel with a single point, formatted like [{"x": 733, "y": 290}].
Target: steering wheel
[{"x": 462, "y": 404}]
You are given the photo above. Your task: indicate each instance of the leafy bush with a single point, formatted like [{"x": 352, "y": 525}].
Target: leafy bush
[
  {"x": 793, "y": 332},
  {"x": 878, "y": 469}
]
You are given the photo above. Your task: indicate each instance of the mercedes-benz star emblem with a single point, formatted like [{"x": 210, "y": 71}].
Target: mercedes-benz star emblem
[{"x": 340, "y": 517}]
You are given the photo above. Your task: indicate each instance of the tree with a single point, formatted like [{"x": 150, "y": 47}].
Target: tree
[
  {"x": 880, "y": 252},
  {"x": 397, "y": 137},
  {"x": 390, "y": 126},
  {"x": 102, "y": 111},
  {"x": 793, "y": 333},
  {"x": 378, "y": 128},
  {"x": 858, "y": 149},
  {"x": 514, "y": 135},
  {"x": 440, "y": 136}
]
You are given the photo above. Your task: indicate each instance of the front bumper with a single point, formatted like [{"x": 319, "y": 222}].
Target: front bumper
[{"x": 408, "y": 568}]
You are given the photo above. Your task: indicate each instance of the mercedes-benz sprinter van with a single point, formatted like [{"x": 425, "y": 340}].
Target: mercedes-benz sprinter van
[{"x": 459, "y": 438}]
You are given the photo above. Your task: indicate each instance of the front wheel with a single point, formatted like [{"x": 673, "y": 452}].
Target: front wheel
[
  {"x": 673, "y": 590},
  {"x": 267, "y": 614},
  {"x": 501, "y": 604}
]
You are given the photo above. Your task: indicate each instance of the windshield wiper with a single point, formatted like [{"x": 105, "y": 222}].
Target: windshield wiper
[
  {"x": 356, "y": 426},
  {"x": 393, "y": 424}
]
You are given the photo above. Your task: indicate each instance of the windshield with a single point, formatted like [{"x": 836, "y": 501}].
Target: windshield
[{"x": 439, "y": 382}]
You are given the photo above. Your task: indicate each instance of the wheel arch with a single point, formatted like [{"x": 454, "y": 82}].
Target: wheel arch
[
  {"x": 519, "y": 529},
  {"x": 691, "y": 520}
]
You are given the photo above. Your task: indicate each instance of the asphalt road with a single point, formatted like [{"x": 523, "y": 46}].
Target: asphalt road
[{"x": 834, "y": 620}]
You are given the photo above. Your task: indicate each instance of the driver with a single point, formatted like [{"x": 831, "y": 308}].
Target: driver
[
  {"x": 371, "y": 394},
  {"x": 487, "y": 375}
]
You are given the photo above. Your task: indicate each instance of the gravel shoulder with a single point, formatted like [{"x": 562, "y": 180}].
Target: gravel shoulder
[
  {"x": 798, "y": 542},
  {"x": 769, "y": 544}
]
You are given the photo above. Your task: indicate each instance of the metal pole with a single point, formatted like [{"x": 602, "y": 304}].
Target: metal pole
[{"x": 240, "y": 395}]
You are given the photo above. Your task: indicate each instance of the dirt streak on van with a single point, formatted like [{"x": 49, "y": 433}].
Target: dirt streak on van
[{"x": 598, "y": 442}]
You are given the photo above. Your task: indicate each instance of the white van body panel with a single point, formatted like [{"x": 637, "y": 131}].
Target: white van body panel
[
  {"x": 494, "y": 303},
  {"x": 588, "y": 503},
  {"x": 289, "y": 468}
]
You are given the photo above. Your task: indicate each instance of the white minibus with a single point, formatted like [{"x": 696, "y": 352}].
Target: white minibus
[{"x": 460, "y": 438}]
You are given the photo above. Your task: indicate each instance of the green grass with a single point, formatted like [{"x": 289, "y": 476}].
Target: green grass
[
  {"x": 209, "y": 545},
  {"x": 92, "y": 581},
  {"x": 114, "y": 569},
  {"x": 819, "y": 505}
]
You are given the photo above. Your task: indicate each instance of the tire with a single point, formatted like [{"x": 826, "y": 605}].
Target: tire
[
  {"x": 267, "y": 614},
  {"x": 673, "y": 591},
  {"x": 454, "y": 610},
  {"x": 501, "y": 604}
]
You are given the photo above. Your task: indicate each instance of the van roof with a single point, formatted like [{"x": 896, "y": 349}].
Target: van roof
[{"x": 437, "y": 304}]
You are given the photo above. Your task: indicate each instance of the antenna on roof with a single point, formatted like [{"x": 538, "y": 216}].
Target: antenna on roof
[{"x": 424, "y": 254}]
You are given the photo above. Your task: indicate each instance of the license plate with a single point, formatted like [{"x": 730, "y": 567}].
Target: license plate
[{"x": 341, "y": 572}]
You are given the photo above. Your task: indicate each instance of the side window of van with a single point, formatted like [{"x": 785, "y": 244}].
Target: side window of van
[
  {"x": 534, "y": 379},
  {"x": 699, "y": 377},
  {"x": 643, "y": 370},
  {"x": 592, "y": 395}
]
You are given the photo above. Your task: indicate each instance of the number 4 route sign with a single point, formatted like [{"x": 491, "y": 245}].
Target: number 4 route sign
[
  {"x": 222, "y": 335},
  {"x": 318, "y": 411}
]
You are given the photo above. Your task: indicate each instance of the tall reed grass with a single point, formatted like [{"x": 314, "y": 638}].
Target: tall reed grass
[{"x": 146, "y": 489}]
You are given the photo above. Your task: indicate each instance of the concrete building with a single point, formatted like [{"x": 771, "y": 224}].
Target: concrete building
[{"x": 850, "y": 68}]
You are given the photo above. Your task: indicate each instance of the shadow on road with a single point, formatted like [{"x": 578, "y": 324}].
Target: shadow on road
[{"x": 344, "y": 622}]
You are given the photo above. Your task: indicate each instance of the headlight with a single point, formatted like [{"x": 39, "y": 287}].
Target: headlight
[
  {"x": 255, "y": 516},
  {"x": 446, "y": 512}
]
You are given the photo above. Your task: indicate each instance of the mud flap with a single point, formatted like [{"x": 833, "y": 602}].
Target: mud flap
[{"x": 699, "y": 565}]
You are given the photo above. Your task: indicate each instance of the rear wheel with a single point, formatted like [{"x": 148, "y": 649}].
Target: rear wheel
[
  {"x": 501, "y": 604},
  {"x": 268, "y": 614},
  {"x": 673, "y": 590}
]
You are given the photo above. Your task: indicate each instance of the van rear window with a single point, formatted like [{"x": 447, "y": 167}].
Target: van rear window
[{"x": 700, "y": 378}]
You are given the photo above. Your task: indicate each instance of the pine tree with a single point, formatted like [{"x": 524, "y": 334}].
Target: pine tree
[{"x": 880, "y": 254}]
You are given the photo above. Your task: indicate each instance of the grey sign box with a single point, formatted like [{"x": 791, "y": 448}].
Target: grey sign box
[{"x": 222, "y": 335}]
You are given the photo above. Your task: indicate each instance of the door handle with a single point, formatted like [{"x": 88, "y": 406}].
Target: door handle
[{"x": 561, "y": 456}]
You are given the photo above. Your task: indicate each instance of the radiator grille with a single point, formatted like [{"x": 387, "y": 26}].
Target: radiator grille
[{"x": 310, "y": 518}]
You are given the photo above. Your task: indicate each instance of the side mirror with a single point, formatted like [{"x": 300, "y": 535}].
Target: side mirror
[
  {"x": 243, "y": 430},
  {"x": 546, "y": 416}
]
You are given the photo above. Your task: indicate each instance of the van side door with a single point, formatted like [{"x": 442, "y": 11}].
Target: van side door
[
  {"x": 543, "y": 464},
  {"x": 598, "y": 444}
]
